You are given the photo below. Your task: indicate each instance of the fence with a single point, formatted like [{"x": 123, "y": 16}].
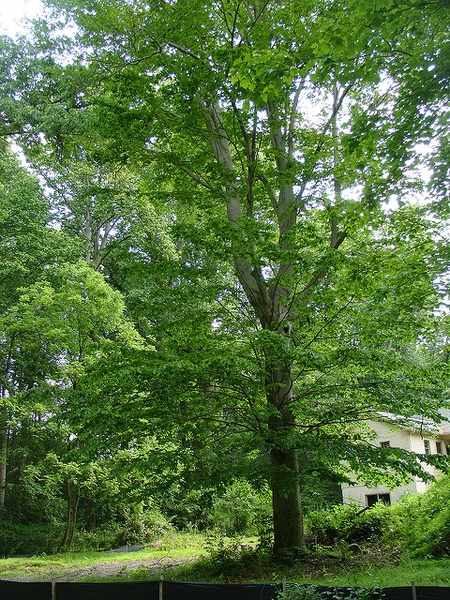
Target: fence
[{"x": 12, "y": 590}]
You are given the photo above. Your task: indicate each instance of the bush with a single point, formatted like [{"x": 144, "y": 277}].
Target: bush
[
  {"x": 422, "y": 522},
  {"x": 188, "y": 509},
  {"x": 99, "y": 539},
  {"x": 139, "y": 527},
  {"x": 346, "y": 522},
  {"x": 142, "y": 526},
  {"x": 418, "y": 525},
  {"x": 16, "y": 539},
  {"x": 241, "y": 509},
  {"x": 226, "y": 556}
]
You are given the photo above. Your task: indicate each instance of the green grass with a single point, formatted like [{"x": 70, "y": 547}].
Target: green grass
[
  {"x": 421, "y": 572},
  {"x": 174, "y": 545},
  {"x": 434, "y": 572},
  {"x": 326, "y": 570}
]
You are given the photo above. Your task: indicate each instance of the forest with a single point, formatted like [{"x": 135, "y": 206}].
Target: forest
[{"x": 224, "y": 251}]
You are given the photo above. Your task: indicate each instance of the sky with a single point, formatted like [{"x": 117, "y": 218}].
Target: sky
[{"x": 14, "y": 12}]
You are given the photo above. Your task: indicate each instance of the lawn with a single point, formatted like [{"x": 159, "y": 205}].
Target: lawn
[
  {"x": 421, "y": 572},
  {"x": 174, "y": 547},
  {"x": 182, "y": 557}
]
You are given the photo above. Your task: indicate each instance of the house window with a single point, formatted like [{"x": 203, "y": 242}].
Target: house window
[
  {"x": 439, "y": 447},
  {"x": 426, "y": 444},
  {"x": 385, "y": 444},
  {"x": 372, "y": 499}
]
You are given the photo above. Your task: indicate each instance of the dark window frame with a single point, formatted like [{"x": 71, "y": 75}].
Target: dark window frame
[{"x": 372, "y": 499}]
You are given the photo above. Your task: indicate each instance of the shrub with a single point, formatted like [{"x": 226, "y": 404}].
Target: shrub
[
  {"x": 188, "y": 509},
  {"x": 418, "y": 525},
  {"x": 240, "y": 509},
  {"x": 422, "y": 522},
  {"x": 226, "y": 556},
  {"x": 19, "y": 539},
  {"x": 346, "y": 522},
  {"x": 142, "y": 526},
  {"x": 299, "y": 592},
  {"x": 16, "y": 539},
  {"x": 99, "y": 539}
]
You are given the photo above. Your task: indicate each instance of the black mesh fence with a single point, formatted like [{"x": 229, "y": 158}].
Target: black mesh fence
[
  {"x": 15, "y": 590},
  {"x": 107, "y": 591},
  {"x": 12, "y": 590},
  {"x": 391, "y": 593},
  {"x": 204, "y": 591},
  {"x": 419, "y": 593}
]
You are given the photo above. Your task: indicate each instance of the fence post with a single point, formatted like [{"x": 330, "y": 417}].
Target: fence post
[
  {"x": 161, "y": 585},
  {"x": 414, "y": 591},
  {"x": 284, "y": 586},
  {"x": 53, "y": 590}
]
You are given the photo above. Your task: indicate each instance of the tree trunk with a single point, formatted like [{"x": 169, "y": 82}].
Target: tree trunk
[
  {"x": 3, "y": 454},
  {"x": 286, "y": 503},
  {"x": 285, "y": 475},
  {"x": 91, "y": 515},
  {"x": 73, "y": 497}
]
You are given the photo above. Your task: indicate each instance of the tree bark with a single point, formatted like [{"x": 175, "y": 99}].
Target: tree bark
[
  {"x": 285, "y": 476},
  {"x": 3, "y": 454},
  {"x": 286, "y": 503},
  {"x": 73, "y": 498},
  {"x": 91, "y": 515}
]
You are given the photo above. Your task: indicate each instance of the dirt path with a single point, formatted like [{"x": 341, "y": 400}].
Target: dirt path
[{"x": 105, "y": 569}]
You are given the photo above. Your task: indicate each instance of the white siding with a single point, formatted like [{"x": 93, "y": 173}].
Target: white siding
[
  {"x": 357, "y": 494},
  {"x": 398, "y": 438}
]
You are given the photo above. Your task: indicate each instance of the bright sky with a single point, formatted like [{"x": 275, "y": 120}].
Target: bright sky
[{"x": 13, "y": 13}]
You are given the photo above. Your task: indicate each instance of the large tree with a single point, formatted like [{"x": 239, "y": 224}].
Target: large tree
[
  {"x": 289, "y": 131},
  {"x": 28, "y": 247}
]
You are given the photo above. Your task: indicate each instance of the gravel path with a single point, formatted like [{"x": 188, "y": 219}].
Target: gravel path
[{"x": 105, "y": 569}]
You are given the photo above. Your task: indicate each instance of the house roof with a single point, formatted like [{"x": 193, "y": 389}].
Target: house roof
[{"x": 419, "y": 423}]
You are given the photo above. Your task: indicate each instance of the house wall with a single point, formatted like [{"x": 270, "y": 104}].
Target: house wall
[
  {"x": 398, "y": 438},
  {"x": 357, "y": 494},
  {"x": 417, "y": 445}
]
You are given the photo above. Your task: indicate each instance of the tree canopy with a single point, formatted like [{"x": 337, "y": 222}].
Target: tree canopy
[{"x": 254, "y": 196}]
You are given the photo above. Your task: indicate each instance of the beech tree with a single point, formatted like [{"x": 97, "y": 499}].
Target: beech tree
[{"x": 289, "y": 130}]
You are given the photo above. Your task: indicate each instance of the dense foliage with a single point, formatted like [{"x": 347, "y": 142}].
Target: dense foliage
[
  {"x": 418, "y": 525},
  {"x": 225, "y": 255}
]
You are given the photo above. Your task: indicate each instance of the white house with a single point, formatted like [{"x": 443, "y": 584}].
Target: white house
[{"x": 416, "y": 436}]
